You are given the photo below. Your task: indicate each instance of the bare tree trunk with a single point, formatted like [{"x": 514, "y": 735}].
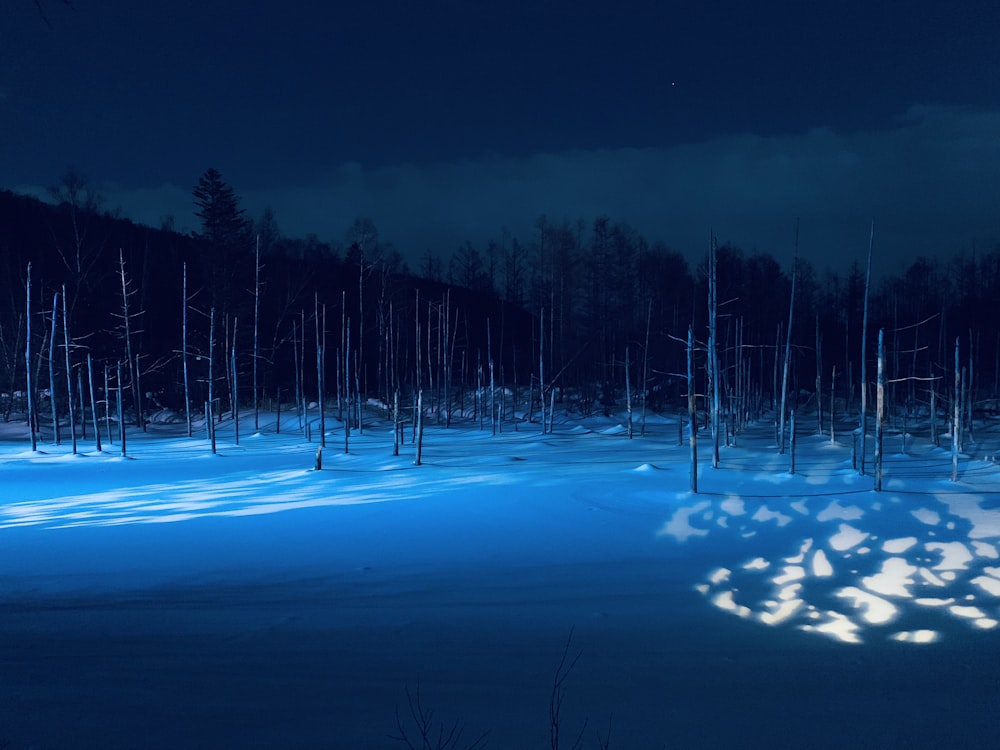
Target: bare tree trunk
[
  {"x": 969, "y": 398},
  {"x": 121, "y": 412},
  {"x": 29, "y": 387},
  {"x": 210, "y": 417},
  {"x": 956, "y": 424},
  {"x": 628, "y": 393},
  {"x": 489, "y": 360},
  {"x": 864, "y": 359},
  {"x": 52, "y": 370},
  {"x": 295, "y": 367},
  {"x": 420, "y": 428},
  {"x": 107, "y": 405},
  {"x": 961, "y": 410},
  {"x": 256, "y": 333},
  {"x": 713, "y": 354},
  {"x": 645, "y": 370},
  {"x": 347, "y": 388},
  {"x": 541, "y": 365},
  {"x": 819, "y": 379},
  {"x": 692, "y": 411},
  {"x": 934, "y": 432},
  {"x": 791, "y": 441},
  {"x": 304, "y": 419},
  {"x": 879, "y": 409},
  {"x": 236, "y": 391},
  {"x": 321, "y": 386},
  {"x": 93, "y": 402},
  {"x": 788, "y": 344},
  {"x": 69, "y": 374},
  {"x": 395, "y": 422},
  {"x": 833, "y": 385},
  {"x": 128, "y": 342},
  {"x": 184, "y": 356}
]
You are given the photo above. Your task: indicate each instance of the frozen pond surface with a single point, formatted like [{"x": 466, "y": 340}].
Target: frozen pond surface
[{"x": 179, "y": 599}]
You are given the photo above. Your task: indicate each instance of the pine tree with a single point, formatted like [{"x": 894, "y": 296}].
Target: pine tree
[{"x": 225, "y": 232}]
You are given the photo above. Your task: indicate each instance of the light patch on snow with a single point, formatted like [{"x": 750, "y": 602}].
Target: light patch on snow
[
  {"x": 898, "y": 546},
  {"x": 836, "y": 511},
  {"x": 989, "y": 584},
  {"x": 679, "y": 526},
  {"x": 837, "y": 625},
  {"x": 719, "y": 575},
  {"x": 954, "y": 555},
  {"x": 875, "y": 609},
  {"x": 972, "y": 613},
  {"x": 781, "y": 612},
  {"x": 917, "y": 636},
  {"x": 985, "y": 549},
  {"x": 791, "y": 573},
  {"x": 930, "y": 578},
  {"x": 734, "y": 506},
  {"x": 893, "y": 579},
  {"x": 927, "y": 516},
  {"x": 846, "y": 537},
  {"x": 821, "y": 567},
  {"x": 789, "y": 592},
  {"x": 985, "y": 521},
  {"x": 724, "y": 600},
  {"x": 765, "y": 514},
  {"x": 806, "y": 546}
]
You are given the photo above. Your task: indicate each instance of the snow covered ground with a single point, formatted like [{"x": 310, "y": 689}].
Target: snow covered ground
[{"x": 179, "y": 599}]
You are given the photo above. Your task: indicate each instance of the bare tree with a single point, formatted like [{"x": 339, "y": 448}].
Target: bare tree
[
  {"x": 788, "y": 344},
  {"x": 864, "y": 346},
  {"x": 29, "y": 388},
  {"x": 69, "y": 374}
]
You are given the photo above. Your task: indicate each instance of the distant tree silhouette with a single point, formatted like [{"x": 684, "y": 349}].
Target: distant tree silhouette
[{"x": 225, "y": 232}]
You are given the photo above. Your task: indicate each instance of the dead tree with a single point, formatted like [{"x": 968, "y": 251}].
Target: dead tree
[
  {"x": 321, "y": 385},
  {"x": 692, "y": 412},
  {"x": 256, "y": 333},
  {"x": 788, "y": 345},
  {"x": 864, "y": 347},
  {"x": 52, "y": 371},
  {"x": 29, "y": 388},
  {"x": 121, "y": 412},
  {"x": 184, "y": 357},
  {"x": 713, "y": 355},
  {"x": 879, "y": 410},
  {"x": 69, "y": 374},
  {"x": 93, "y": 402},
  {"x": 210, "y": 405},
  {"x": 956, "y": 424},
  {"x": 232, "y": 367}
]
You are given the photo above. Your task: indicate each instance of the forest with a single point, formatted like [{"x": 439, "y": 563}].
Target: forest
[{"x": 103, "y": 315}]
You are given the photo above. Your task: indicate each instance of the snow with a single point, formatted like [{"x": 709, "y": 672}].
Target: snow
[{"x": 179, "y": 599}]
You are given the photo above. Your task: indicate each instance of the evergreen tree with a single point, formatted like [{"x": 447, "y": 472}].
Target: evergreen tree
[{"x": 225, "y": 234}]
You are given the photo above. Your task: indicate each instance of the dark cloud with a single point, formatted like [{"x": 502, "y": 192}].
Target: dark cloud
[{"x": 931, "y": 184}]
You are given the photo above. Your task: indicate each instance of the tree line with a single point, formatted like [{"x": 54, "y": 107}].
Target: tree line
[{"x": 586, "y": 315}]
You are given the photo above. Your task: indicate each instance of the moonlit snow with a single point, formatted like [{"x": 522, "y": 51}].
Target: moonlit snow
[{"x": 178, "y": 599}]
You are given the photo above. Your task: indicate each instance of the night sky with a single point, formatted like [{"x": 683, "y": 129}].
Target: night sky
[{"x": 447, "y": 120}]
